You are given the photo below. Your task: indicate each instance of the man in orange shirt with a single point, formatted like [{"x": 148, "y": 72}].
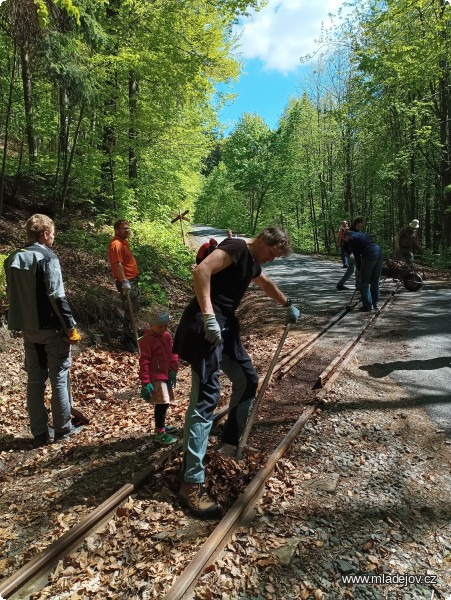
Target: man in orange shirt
[{"x": 126, "y": 274}]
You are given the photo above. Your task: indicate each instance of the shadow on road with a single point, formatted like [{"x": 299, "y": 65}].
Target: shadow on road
[{"x": 383, "y": 369}]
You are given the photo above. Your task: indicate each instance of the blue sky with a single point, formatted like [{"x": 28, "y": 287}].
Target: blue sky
[{"x": 270, "y": 45}]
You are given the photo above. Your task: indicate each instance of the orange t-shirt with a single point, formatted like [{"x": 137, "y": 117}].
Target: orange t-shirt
[{"x": 119, "y": 252}]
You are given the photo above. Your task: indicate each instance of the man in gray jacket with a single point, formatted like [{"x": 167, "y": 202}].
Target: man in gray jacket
[{"x": 38, "y": 307}]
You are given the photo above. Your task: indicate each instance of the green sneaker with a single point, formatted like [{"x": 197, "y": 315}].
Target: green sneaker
[{"x": 164, "y": 438}]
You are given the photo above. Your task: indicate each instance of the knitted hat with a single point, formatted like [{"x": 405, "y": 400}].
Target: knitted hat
[
  {"x": 158, "y": 316},
  {"x": 414, "y": 224}
]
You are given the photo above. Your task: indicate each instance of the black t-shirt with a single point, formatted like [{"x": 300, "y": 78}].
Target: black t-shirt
[
  {"x": 229, "y": 285},
  {"x": 227, "y": 289}
]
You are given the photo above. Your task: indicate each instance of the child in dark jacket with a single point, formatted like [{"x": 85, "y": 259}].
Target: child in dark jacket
[{"x": 158, "y": 367}]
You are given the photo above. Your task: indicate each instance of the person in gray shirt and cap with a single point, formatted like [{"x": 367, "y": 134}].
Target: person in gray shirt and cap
[
  {"x": 406, "y": 242},
  {"x": 38, "y": 307}
]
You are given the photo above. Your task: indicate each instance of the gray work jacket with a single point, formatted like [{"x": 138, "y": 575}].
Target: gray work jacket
[{"x": 36, "y": 291}]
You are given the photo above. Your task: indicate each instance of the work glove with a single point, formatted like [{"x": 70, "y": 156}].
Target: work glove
[
  {"x": 126, "y": 285},
  {"x": 146, "y": 391},
  {"x": 212, "y": 330},
  {"x": 172, "y": 378},
  {"x": 73, "y": 335},
  {"x": 292, "y": 313}
]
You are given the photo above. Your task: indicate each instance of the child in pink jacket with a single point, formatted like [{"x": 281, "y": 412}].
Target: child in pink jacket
[{"x": 158, "y": 367}]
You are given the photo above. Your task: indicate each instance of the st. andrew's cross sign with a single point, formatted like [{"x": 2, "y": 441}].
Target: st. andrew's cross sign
[{"x": 181, "y": 217}]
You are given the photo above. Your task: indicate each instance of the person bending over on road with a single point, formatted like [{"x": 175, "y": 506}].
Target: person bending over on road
[
  {"x": 38, "y": 307},
  {"x": 126, "y": 274},
  {"x": 208, "y": 338},
  {"x": 406, "y": 242},
  {"x": 368, "y": 258},
  {"x": 205, "y": 250}
]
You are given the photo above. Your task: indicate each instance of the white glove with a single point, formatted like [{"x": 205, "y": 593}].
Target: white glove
[
  {"x": 126, "y": 285},
  {"x": 212, "y": 330}
]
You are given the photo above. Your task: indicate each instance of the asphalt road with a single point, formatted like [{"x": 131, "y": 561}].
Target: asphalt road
[{"x": 424, "y": 366}]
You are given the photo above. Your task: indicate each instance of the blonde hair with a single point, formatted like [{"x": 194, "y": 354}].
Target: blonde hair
[
  {"x": 37, "y": 225},
  {"x": 276, "y": 237}
]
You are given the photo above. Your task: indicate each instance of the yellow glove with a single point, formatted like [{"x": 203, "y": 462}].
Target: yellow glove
[{"x": 74, "y": 336}]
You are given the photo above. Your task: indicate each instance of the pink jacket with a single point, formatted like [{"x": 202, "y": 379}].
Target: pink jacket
[{"x": 157, "y": 358}]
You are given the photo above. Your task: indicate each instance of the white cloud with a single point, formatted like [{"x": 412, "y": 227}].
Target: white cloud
[{"x": 284, "y": 30}]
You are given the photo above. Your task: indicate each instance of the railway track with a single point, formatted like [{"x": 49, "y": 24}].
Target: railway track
[{"x": 33, "y": 575}]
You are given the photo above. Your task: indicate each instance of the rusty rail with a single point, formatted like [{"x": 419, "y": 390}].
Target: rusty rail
[
  {"x": 235, "y": 516},
  {"x": 75, "y": 536}
]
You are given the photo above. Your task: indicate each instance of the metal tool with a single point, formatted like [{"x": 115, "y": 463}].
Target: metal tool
[
  {"x": 79, "y": 417},
  {"x": 253, "y": 413},
  {"x": 132, "y": 318}
]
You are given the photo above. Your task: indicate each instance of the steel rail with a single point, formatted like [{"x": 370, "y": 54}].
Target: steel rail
[
  {"x": 260, "y": 394},
  {"x": 236, "y": 516},
  {"x": 216, "y": 542},
  {"x": 72, "y": 538},
  {"x": 327, "y": 373},
  {"x": 305, "y": 346},
  {"x": 292, "y": 359},
  {"x": 75, "y": 536}
]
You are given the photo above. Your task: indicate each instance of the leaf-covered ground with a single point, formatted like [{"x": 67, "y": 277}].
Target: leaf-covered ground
[{"x": 388, "y": 512}]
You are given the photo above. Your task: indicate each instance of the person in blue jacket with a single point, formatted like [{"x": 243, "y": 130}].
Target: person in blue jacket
[{"x": 368, "y": 259}]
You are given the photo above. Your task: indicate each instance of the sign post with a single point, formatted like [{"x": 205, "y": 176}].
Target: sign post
[{"x": 181, "y": 217}]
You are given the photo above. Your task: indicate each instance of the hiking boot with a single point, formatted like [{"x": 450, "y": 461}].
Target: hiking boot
[
  {"x": 227, "y": 450},
  {"x": 195, "y": 497},
  {"x": 42, "y": 439},
  {"x": 340, "y": 286},
  {"x": 164, "y": 438},
  {"x": 364, "y": 309},
  {"x": 376, "y": 306},
  {"x": 60, "y": 437}
]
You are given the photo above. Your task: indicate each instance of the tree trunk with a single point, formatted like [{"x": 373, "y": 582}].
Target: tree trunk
[
  {"x": 132, "y": 132},
  {"x": 70, "y": 161},
  {"x": 5, "y": 140},
  {"x": 63, "y": 139},
  {"x": 28, "y": 103}
]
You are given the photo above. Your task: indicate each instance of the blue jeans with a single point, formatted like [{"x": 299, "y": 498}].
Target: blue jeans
[
  {"x": 344, "y": 257},
  {"x": 203, "y": 401},
  {"x": 370, "y": 273},
  {"x": 47, "y": 355},
  {"x": 350, "y": 270}
]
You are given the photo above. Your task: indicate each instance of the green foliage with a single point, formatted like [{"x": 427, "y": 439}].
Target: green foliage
[
  {"x": 151, "y": 291},
  {"x": 156, "y": 245},
  {"x": 119, "y": 98},
  {"x": 90, "y": 241},
  {"x": 370, "y": 139},
  {"x": 158, "y": 248},
  {"x": 439, "y": 260}
]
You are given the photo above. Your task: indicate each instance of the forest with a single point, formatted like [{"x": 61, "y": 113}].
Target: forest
[{"x": 110, "y": 108}]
